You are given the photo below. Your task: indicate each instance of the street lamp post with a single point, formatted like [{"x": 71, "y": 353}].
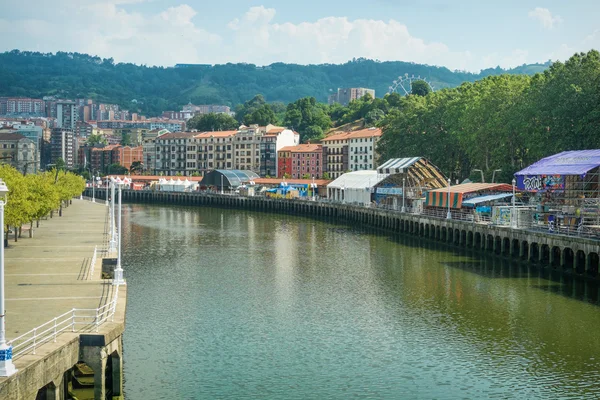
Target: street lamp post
[
  {"x": 449, "y": 215},
  {"x": 403, "y": 208},
  {"x": 313, "y": 186},
  {"x": 113, "y": 239},
  {"x": 93, "y": 188},
  {"x": 118, "y": 277},
  {"x": 106, "y": 192},
  {"x": 7, "y": 368},
  {"x": 513, "y": 218},
  {"x": 221, "y": 183}
]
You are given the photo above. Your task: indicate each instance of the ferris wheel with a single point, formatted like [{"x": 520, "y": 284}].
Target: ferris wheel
[{"x": 403, "y": 84}]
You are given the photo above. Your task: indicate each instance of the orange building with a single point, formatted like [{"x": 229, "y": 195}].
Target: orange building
[{"x": 303, "y": 159}]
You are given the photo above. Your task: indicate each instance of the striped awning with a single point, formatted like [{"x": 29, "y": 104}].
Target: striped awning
[
  {"x": 440, "y": 199},
  {"x": 397, "y": 165}
]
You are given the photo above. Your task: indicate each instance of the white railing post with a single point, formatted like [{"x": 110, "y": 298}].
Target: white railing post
[
  {"x": 54, "y": 329},
  {"x": 73, "y": 320},
  {"x": 97, "y": 320},
  {"x": 34, "y": 339}
]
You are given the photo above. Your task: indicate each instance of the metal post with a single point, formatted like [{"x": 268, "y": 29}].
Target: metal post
[
  {"x": 403, "y": 208},
  {"x": 449, "y": 215},
  {"x": 7, "y": 368},
  {"x": 106, "y": 192},
  {"x": 221, "y": 183},
  {"x": 313, "y": 188},
  {"x": 113, "y": 238},
  {"x": 93, "y": 188},
  {"x": 513, "y": 217},
  {"x": 118, "y": 278}
]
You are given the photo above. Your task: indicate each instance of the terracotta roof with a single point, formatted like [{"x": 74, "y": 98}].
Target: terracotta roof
[
  {"x": 152, "y": 178},
  {"x": 369, "y": 132},
  {"x": 475, "y": 187},
  {"x": 217, "y": 134},
  {"x": 176, "y": 135},
  {"x": 277, "y": 181},
  {"x": 303, "y": 148},
  {"x": 339, "y": 136},
  {"x": 276, "y": 130}
]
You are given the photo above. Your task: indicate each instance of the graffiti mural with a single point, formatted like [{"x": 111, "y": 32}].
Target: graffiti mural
[{"x": 537, "y": 183}]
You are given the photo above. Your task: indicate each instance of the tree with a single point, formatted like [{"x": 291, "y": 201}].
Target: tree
[
  {"x": 262, "y": 116},
  {"x": 136, "y": 167},
  {"x": 373, "y": 117},
  {"x": 420, "y": 88},
  {"x": 305, "y": 113},
  {"x": 212, "y": 122},
  {"x": 126, "y": 138},
  {"x": 96, "y": 139},
  {"x": 116, "y": 169}
]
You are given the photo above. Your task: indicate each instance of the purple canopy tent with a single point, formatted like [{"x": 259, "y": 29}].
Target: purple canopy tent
[{"x": 549, "y": 174}]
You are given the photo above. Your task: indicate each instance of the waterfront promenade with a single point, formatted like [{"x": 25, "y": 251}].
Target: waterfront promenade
[
  {"x": 53, "y": 274},
  {"x": 48, "y": 275}
]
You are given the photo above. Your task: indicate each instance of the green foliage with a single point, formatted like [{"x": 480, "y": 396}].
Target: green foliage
[
  {"x": 96, "y": 139},
  {"x": 501, "y": 122},
  {"x": 136, "y": 167},
  {"x": 326, "y": 175},
  {"x": 420, "y": 88},
  {"x": 212, "y": 122},
  {"x": 261, "y": 116},
  {"x": 126, "y": 139},
  {"x": 156, "y": 89},
  {"x": 33, "y": 196},
  {"x": 308, "y": 118},
  {"x": 116, "y": 169}
]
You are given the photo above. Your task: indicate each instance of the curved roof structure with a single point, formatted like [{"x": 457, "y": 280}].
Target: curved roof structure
[
  {"x": 231, "y": 177},
  {"x": 357, "y": 180},
  {"x": 418, "y": 170}
]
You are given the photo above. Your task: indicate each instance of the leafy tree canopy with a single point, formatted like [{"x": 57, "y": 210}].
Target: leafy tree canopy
[{"x": 212, "y": 122}]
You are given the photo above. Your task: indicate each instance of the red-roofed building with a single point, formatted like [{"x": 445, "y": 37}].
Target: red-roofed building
[{"x": 301, "y": 160}]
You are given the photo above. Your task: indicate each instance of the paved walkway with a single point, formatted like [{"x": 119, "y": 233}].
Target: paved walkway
[{"x": 49, "y": 274}]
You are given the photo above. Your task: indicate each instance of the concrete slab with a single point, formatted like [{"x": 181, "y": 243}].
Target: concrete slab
[{"x": 49, "y": 274}]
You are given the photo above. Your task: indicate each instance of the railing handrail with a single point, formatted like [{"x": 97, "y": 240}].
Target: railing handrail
[{"x": 49, "y": 330}]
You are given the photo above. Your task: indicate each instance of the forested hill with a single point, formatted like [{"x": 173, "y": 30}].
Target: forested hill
[{"x": 74, "y": 75}]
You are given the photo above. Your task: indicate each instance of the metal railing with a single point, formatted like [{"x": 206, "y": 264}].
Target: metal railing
[{"x": 75, "y": 320}]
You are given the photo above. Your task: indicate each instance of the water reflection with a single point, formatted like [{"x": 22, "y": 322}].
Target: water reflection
[{"x": 255, "y": 305}]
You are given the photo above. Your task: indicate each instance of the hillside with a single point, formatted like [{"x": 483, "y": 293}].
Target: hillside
[{"x": 74, "y": 75}]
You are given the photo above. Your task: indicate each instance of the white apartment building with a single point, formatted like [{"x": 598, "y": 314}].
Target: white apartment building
[
  {"x": 274, "y": 139},
  {"x": 149, "y": 148},
  {"x": 335, "y": 154},
  {"x": 361, "y": 149}
]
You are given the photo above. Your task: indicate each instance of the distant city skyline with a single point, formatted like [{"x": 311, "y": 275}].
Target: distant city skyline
[{"x": 461, "y": 35}]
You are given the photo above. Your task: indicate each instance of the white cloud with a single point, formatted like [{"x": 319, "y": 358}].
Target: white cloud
[
  {"x": 545, "y": 17},
  {"x": 170, "y": 35}
]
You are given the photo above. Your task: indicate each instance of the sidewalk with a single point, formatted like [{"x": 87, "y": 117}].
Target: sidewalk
[{"x": 48, "y": 275}]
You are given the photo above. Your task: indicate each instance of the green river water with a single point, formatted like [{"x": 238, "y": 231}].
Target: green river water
[{"x": 228, "y": 304}]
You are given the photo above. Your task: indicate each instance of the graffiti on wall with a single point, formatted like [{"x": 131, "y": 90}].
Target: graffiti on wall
[{"x": 535, "y": 183}]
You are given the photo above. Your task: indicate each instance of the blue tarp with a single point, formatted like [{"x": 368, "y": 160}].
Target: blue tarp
[
  {"x": 482, "y": 199},
  {"x": 566, "y": 163}
]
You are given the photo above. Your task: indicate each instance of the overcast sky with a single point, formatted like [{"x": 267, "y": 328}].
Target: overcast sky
[{"x": 459, "y": 34}]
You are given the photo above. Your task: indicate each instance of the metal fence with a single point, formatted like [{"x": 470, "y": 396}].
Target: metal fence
[{"x": 75, "y": 320}]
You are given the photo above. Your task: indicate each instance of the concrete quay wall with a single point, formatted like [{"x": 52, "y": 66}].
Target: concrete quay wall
[{"x": 572, "y": 255}]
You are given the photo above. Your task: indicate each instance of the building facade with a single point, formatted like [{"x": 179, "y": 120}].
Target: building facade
[
  {"x": 306, "y": 161},
  {"x": 18, "y": 151},
  {"x": 335, "y": 155},
  {"x": 215, "y": 150},
  {"x": 346, "y": 95},
  {"x": 63, "y": 145},
  {"x": 22, "y": 106},
  {"x": 362, "y": 147},
  {"x": 172, "y": 151},
  {"x": 272, "y": 141},
  {"x": 67, "y": 115}
]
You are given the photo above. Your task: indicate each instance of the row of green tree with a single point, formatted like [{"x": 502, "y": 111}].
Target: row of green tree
[
  {"x": 34, "y": 196},
  {"x": 501, "y": 122}
]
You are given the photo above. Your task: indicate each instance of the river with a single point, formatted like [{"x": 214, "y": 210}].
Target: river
[{"x": 229, "y": 304}]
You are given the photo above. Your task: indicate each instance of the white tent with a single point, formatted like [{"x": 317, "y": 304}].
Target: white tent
[{"x": 354, "y": 187}]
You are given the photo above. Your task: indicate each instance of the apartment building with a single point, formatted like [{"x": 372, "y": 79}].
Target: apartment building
[
  {"x": 345, "y": 95},
  {"x": 300, "y": 161},
  {"x": 149, "y": 148},
  {"x": 22, "y": 106},
  {"x": 63, "y": 145},
  {"x": 215, "y": 150},
  {"x": 335, "y": 154},
  {"x": 67, "y": 114},
  {"x": 247, "y": 147},
  {"x": 176, "y": 153},
  {"x": 274, "y": 139},
  {"x": 362, "y": 146}
]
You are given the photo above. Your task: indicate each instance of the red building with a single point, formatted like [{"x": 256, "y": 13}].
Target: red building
[{"x": 301, "y": 160}]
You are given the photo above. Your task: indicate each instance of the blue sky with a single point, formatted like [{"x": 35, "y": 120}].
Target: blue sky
[{"x": 459, "y": 34}]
